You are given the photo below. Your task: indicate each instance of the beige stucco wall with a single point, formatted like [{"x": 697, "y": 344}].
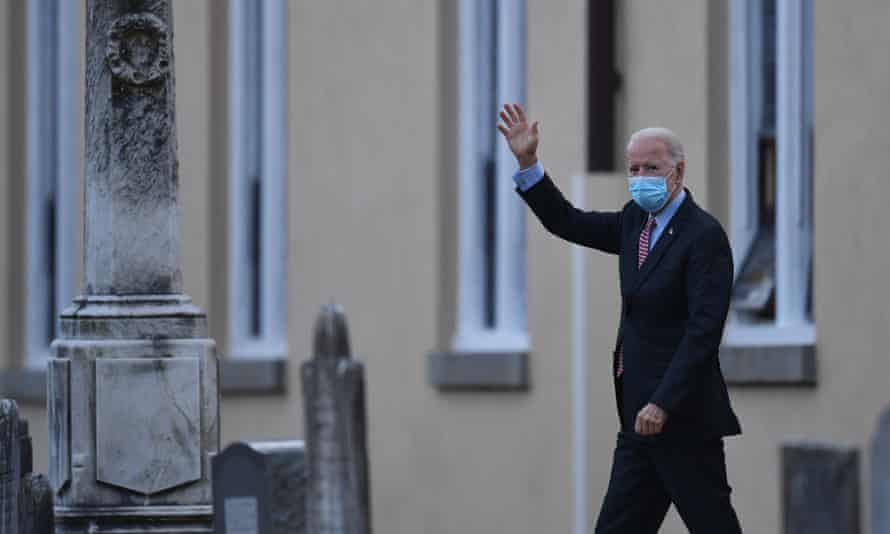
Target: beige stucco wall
[{"x": 193, "y": 103}]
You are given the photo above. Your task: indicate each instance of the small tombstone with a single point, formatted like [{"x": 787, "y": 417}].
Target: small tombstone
[
  {"x": 10, "y": 465},
  {"x": 880, "y": 476},
  {"x": 259, "y": 488},
  {"x": 35, "y": 505},
  {"x": 338, "y": 496},
  {"x": 26, "y": 452},
  {"x": 820, "y": 487}
]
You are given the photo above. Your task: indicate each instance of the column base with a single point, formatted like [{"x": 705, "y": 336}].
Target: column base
[{"x": 134, "y": 520}]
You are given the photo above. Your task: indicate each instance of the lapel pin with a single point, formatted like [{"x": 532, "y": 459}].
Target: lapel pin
[{"x": 670, "y": 231}]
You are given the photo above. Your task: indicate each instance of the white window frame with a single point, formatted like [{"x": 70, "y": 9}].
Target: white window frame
[
  {"x": 794, "y": 116},
  {"x": 476, "y": 122},
  {"x": 258, "y": 114},
  {"x": 50, "y": 172}
]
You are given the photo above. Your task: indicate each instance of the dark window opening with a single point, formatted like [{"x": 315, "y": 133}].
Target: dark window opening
[
  {"x": 490, "y": 225},
  {"x": 51, "y": 274},
  {"x": 754, "y": 293},
  {"x": 603, "y": 82},
  {"x": 256, "y": 257},
  {"x": 254, "y": 121},
  {"x": 488, "y": 80}
]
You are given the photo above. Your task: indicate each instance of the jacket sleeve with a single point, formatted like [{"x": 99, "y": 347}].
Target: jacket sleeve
[
  {"x": 599, "y": 230},
  {"x": 708, "y": 290}
]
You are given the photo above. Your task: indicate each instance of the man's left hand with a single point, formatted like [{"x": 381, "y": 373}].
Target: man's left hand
[{"x": 650, "y": 420}]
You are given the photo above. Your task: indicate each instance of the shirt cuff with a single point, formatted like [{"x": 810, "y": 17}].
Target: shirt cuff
[{"x": 526, "y": 178}]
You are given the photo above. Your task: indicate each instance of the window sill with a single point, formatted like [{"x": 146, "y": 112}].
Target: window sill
[
  {"x": 479, "y": 371},
  {"x": 769, "y": 365},
  {"x": 237, "y": 378},
  {"x": 252, "y": 377}
]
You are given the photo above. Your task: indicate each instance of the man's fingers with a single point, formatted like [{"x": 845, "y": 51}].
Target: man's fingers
[
  {"x": 535, "y": 128},
  {"x": 512, "y": 112},
  {"x": 647, "y": 423},
  {"x": 519, "y": 112},
  {"x": 507, "y": 121},
  {"x": 503, "y": 130}
]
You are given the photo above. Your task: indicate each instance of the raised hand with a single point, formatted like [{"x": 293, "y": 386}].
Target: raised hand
[{"x": 521, "y": 137}]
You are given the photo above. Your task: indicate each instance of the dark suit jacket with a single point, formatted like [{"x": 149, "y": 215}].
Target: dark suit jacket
[{"x": 672, "y": 313}]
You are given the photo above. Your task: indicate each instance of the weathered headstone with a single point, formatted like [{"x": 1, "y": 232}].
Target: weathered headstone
[
  {"x": 820, "y": 487},
  {"x": 133, "y": 394},
  {"x": 338, "y": 496},
  {"x": 25, "y": 497},
  {"x": 26, "y": 449},
  {"x": 10, "y": 466},
  {"x": 259, "y": 488},
  {"x": 35, "y": 505},
  {"x": 880, "y": 476}
]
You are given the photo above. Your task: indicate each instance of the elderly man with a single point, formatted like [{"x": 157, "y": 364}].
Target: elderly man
[{"x": 676, "y": 272}]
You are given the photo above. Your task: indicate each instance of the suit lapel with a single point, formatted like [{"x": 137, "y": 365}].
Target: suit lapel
[
  {"x": 629, "y": 260},
  {"x": 667, "y": 238}
]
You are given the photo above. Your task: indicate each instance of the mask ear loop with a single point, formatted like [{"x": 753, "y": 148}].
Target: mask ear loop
[{"x": 670, "y": 193}]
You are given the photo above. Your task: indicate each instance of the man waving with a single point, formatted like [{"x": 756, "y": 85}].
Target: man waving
[{"x": 676, "y": 270}]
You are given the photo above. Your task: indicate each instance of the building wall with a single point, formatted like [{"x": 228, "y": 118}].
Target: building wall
[{"x": 372, "y": 225}]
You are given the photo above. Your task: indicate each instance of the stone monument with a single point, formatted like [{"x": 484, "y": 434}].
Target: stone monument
[
  {"x": 10, "y": 466},
  {"x": 337, "y": 495},
  {"x": 260, "y": 488},
  {"x": 132, "y": 385},
  {"x": 820, "y": 488},
  {"x": 25, "y": 496}
]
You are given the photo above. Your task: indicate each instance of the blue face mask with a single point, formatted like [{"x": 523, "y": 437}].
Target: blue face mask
[{"x": 649, "y": 192}]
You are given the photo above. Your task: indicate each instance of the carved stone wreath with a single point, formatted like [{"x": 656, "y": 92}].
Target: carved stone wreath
[{"x": 138, "y": 49}]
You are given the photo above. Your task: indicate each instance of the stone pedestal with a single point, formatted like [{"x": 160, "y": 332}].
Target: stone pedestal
[
  {"x": 133, "y": 416},
  {"x": 132, "y": 386}
]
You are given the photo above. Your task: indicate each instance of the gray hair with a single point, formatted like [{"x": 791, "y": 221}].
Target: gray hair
[{"x": 669, "y": 138}]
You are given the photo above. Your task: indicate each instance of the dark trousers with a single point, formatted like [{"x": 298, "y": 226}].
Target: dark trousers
[{"x": 648, "y": 475}]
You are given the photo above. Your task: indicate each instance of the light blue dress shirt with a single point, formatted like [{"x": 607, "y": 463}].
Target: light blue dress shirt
[{"x": 527, "y": 178}]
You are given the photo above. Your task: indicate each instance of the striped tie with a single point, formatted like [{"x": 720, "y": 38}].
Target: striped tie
[{"x": 642, "y": 254}]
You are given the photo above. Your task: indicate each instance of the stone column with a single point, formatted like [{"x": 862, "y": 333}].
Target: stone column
[
  {"x": 132, "y": 385},
  {"x": 10, "y": 466},
  {"x": 337, "y": 493}
]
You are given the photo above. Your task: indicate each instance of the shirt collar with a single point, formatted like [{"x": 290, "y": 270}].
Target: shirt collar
[{"x": 664, "y": 216}]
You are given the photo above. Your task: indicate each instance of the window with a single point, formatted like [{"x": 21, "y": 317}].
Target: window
[
  {"x": 603, "y": 82},
  {"x": 257, "y": 304},
  {"x": 51, "y": 172},
  {"x": 491, "y": 313},
  {"x": 771, "y": 122}
]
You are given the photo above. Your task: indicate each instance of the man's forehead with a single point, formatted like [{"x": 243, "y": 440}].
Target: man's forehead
[{"x": 646, "y": 149}]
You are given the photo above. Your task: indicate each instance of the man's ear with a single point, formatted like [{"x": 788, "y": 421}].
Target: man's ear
[{"x": 681, "y": 170}]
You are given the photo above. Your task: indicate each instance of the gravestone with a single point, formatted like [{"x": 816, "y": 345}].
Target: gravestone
[
  {"x": 10, "y": 466},
  {"x": 25, "y": 497},
  {"x": 820, "y": 489},
  {"x": 880, "y": 476},
  {"x": 35, "y": 505},
  {"x": 133, "y": 396},
  {"x": 259, "y": 488},
  {"x": 338, "y": 495}
]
